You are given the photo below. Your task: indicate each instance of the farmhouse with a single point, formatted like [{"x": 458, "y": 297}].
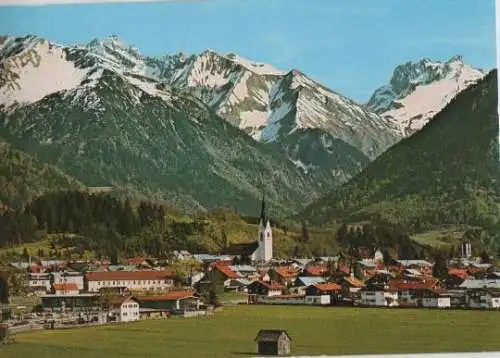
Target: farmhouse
[
  {"x": 412, "y": 292},
  {"x": 132, "y": 280},
  {"x": 123, "y": 309},
  {"x": 273, "y": 342},
  {"x": 331, "y": 290},
  {"x": 284, "y": 275},
  {"x": 265, "y": 288}
]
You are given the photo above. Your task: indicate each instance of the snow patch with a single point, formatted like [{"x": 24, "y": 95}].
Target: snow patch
[
  {"x": 256, "y": 67},
  {"x": 37, "y": 72},
  {"x": 416, "y": 109}
]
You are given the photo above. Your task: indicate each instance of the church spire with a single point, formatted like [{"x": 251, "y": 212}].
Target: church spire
[{"x": 263, "y": 210}]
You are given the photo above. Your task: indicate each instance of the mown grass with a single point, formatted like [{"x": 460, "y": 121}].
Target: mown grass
[{"x": 315, "y": 331}]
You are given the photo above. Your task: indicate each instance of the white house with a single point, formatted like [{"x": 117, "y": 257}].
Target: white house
[
  {"x": 379, "y": 298},
  {"x": 39, "y": 281},
  {"x": 124, "y": 309},
  {"x": 485, "y": 299},
  {"x": 132, "y": 280},
  {"x": 318, "y": 300},
  {"x": 433, "y": 299}
]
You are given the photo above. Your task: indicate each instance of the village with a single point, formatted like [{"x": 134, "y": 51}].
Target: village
[{"x": 75, "y": 293}]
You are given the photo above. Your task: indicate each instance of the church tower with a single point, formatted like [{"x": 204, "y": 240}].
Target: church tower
[{"x": 265, "y": 250}]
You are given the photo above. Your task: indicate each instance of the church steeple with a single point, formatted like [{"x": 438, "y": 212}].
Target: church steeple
[{"x": 263, "y": 210}]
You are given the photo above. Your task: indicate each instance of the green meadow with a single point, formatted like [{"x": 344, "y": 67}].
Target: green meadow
[{"x": 231, "y": 333}]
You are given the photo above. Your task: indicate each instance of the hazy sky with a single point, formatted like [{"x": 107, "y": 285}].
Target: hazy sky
[{"x": 350, "y": 46}]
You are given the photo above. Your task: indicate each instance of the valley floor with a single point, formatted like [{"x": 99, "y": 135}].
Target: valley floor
[{"x": 231, "y": 333}]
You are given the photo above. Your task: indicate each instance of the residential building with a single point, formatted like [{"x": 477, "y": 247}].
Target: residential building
[
  {"x": 379, "y": 295},
  {"x": 271, "y": 288},
  {"x": 316, "y": 271},
  {"x": 131, "y": 280},
  {"x": 123, "y": 308},
  {"x": 332, "y": 290},
  {"x": 285, "y": 275},
  {"x": 483, "y": 298},
  {"x": 436, "y": 299},
  {"x": 40, "y": 282},
  {"x": 351, "y": 285},
  {"x": 304, "y": 281}
]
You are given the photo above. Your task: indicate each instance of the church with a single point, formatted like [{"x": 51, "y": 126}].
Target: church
[
  {"x": 260, "y": 251},
  {"x": 264, "y": 251}
]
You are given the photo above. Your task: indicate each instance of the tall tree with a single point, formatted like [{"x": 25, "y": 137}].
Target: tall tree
[{"x": 440, "y": 268}]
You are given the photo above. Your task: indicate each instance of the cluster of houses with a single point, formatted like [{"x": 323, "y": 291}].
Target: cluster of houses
[
  {"x": 331, "y": 281},
  {"x": 101, "y": 292},
  {"x": 143, "y": 288}
]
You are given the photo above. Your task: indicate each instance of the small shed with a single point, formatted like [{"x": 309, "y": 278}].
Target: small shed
[{"x": 274, "y": 342}]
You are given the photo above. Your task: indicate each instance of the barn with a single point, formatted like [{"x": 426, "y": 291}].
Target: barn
[{"x": 274, "y": 342}]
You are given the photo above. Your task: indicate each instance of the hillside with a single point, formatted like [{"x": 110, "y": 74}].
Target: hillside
[
  {"x": 78, "y": 224},
  {"x": 107, "y": 122},
  {"x": 22, "y": 177},
  {"x": 446, "y": 174}
]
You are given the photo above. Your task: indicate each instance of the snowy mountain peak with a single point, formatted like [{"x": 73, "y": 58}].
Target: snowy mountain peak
[{"x": 419, "y": 90}]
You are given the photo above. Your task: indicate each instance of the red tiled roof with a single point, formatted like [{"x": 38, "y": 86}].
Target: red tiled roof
[
  {"x": 328, "y": 287},
  {"x": 414, "y": 285},
  {"x": 271, "y": 285},
  {"x": 127, "y": 275},
  {"x": 170, "y": 296},
  {"x": 226, "y": 271},
  {"x": 314, "y": 270},
  {"x": 286, "y": 271},
  {"x": 65, "y": 287}
]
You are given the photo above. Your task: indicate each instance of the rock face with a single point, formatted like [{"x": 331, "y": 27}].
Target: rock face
[{"x": 418, "y": 91}]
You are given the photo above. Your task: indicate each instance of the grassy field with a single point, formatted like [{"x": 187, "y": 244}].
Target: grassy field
[
  {"x": 314, "y": 330},
  {"x": 440, "y": 238}
]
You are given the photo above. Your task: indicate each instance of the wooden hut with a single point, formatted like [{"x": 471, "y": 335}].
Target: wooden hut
[{"x": 275, "y": 342}]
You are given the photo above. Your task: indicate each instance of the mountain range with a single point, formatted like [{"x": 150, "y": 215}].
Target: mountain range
[
  {"x": 208, "y": 129},
  {"x": 446, "y": 174}
]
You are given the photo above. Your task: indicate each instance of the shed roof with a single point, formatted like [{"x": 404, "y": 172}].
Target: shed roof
[{"x": 271, "y": 335}]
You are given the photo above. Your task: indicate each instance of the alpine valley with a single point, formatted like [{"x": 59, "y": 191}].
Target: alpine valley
[{"x": 204, "y": 130}]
